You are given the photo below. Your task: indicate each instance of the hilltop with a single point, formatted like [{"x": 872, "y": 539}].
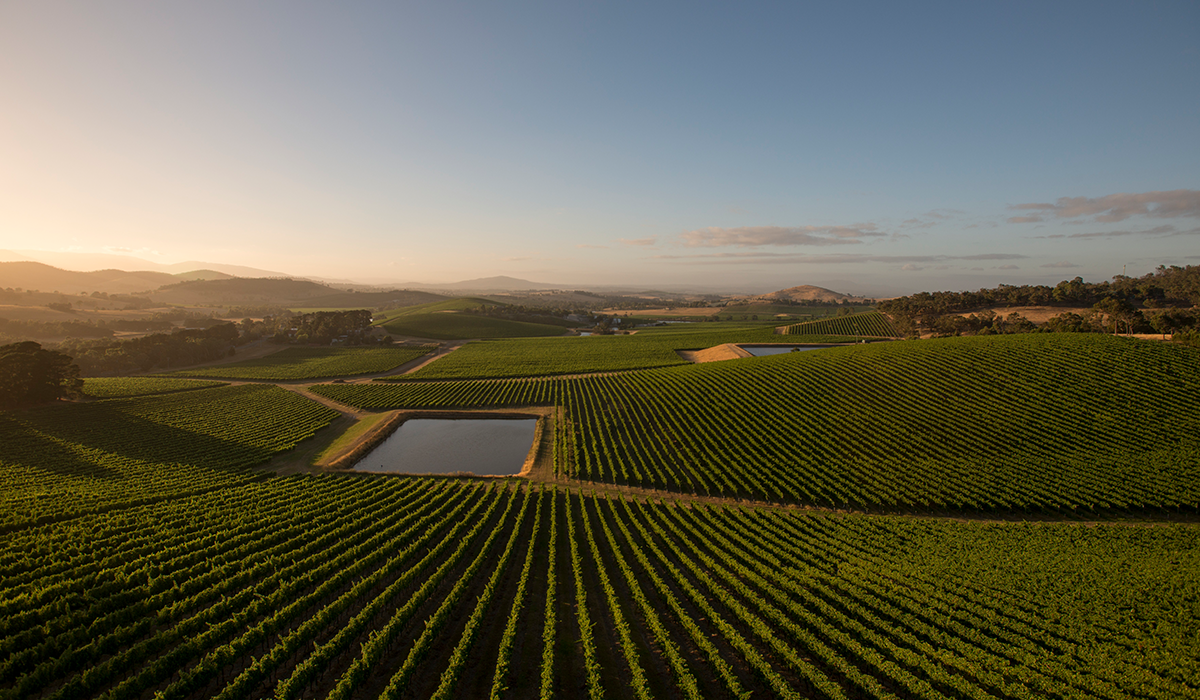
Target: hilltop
[
  {"x": 42, "y": 277},
  {"x": 805, "y": 293}
]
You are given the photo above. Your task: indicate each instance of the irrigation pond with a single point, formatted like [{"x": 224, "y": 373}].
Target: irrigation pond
[{"x": 482, "y": 446}]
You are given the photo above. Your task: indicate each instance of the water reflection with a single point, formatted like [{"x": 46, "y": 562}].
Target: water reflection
[{"x": 446, "y": 445}]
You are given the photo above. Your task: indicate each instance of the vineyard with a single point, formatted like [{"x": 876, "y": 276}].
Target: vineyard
[
  {"x": 969, "y": 423},
  {"x": 871, "y": 323},
  {"x": 60, "y": 462},
  {"x": 312, "y": 363},
  {"x": 117, "y": 387},
  {"x": 144, "y": 557},
  {"x": 539, "y": 357},
  {"x": 342, "y": 587}
]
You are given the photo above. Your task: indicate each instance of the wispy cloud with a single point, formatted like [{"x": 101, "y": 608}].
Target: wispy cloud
[
  {"x": 1024, "y": 219},
  {"x": 591, "y": 247},
  {"x": 642, "y": 242},
  {"x": 1166, "y": 230},
  {"x": 912, "y": 268},
  {"x": 1060, "y": 264},
  {"x": 1115, "y": 207},
  {"x": 937, "y": 215},
  {"x": 1009, "y": 267},
  {"x": 756, "y": 236},
  {"x": 990, "y": 256},
  {"x": 122, "y": 250},
  {"x": 763, "y": 258}
]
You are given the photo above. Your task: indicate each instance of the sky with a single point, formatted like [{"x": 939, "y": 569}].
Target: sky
[{"x": 874, "y": 148}]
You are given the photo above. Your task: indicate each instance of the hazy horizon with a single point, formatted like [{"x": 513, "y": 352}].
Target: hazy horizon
[{"x": 872, "y": 149}]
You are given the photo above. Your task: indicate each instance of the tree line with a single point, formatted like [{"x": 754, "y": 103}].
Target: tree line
[
  {"x": 156, "y": 351},
  {"x": 1163, "y": 301}
]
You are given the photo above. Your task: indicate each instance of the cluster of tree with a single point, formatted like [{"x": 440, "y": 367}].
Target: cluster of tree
[
  {"x": 1107, "y": 316},
  {"x": 156, "y": 351},
  {"x": 52, "y": 329},
  {"x": 130, "y": 301},
  {"x": 1158, "y": 302},
  {"x": 984, "y": 323},
  {"x": 257, "y": 311},
  {"x": 320, "y": 327},
  {"x": 30, "y": 374},
  {"x": 102, "y": 328}
]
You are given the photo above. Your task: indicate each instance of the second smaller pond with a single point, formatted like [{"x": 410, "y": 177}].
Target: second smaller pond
[
  {"x": 762, "y": 350},
  {"x": 490, "y": 446}
]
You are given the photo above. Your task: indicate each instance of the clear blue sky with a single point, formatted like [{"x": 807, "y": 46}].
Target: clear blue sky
[{"x": 877, "y": 148}]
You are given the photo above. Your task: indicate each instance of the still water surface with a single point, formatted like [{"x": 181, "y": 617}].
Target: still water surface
[
  {"x": 444, "y": 445},
  {"x": 762, "y": 350}
]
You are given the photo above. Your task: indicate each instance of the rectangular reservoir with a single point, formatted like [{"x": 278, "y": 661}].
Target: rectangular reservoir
[{"x": 483, "y": 446}]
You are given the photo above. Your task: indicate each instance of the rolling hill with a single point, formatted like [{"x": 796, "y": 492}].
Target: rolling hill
[
  {"x": 447, "y": 320},
  {"x": 42, "y": 277}
]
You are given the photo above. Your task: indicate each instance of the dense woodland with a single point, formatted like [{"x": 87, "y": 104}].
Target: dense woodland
[
  {"x": 1163, "y": 301},
  {"x": 30, "y": 374},
  {"x": 156, "y": 351}
]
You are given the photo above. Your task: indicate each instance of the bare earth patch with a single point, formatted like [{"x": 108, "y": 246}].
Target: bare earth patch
[
  {"x": 728, "y": 351},
  {"x": 1037, "y": 314}
]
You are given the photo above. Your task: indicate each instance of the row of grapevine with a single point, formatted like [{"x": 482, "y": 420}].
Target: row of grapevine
[
  {"x": 60, "y": 461},
  {"x": 121, "y": 387},
  {"x": 296, "y": 363},
  {"x": 871, "y": 323},
  {"x": 344, "y": 586},
  {"x": 448, "y": 394},
  {"x": 539, "y": 357},
  {"x": 1045, "y": 422}
]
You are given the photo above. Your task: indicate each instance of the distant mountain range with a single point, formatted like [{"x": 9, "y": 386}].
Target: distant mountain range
[
  {"x": 71, "y": 273},
  {"x": 84, "y": 262},
  {"x": 499, "y": 283},
  {"x": 45, "y": 278}
]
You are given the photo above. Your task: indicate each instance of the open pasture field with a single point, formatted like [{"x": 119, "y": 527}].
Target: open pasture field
[
  {"x": 445, "y": 320},
  {"x": 296, "y": 363},
  {"x": 457, "y": 326},
  {"x": 456, "y": 304},
  {"x": 1055, "y": 421}
]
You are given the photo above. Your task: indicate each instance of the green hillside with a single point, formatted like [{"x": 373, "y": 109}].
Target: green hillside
[
  {"x": 871, "y": 323},
  {"x": 119, "y": 387},
  {"x": 436, "y": 306},
  {"x": 449, "y": 321},
  {"x": 311, "y": 363},
  {"x": 656, "y": 347},
  {"x": 1036, "y": 421},
  {"x": 142, "y": 557}
]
